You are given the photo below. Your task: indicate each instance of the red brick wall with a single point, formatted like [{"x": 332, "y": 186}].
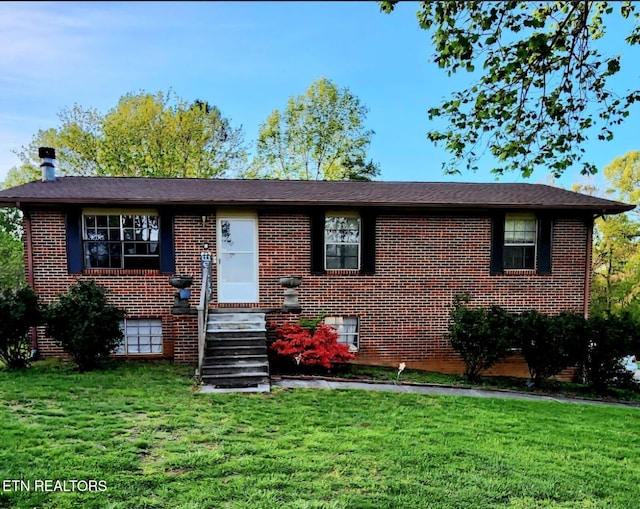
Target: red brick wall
[
  {"x": 142, "y": 293},
  {"x": 422, "y": 262}
]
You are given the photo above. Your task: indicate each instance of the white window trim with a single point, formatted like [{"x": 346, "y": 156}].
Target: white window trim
[
  {"x": 534, "y": 244},
  {"x": 116, "y": 212},
  {"x": 350, "y": 215},
  {"x": 355, "y": 345}
]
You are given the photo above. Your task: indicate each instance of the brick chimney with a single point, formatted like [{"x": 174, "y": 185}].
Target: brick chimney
[{"x": 48, "y": 156}]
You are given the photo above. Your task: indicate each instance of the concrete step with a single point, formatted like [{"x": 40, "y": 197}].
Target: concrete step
[
  {"x": 223, "y": 360},
  {"x": 238, "y": 334},
  {"x": 215, "y": 351},
  {"x": 236, "y": 351},
  {"x": 231, "y": 322},
  {"x": 236, "y": 368},
  {"x": 228, "y": 342},
  {"x": 216, "y": 327},
  {"x": 211, "y": 389},
  {"x": 236, "y": 317},
  {"x": 250, "y": 379}
]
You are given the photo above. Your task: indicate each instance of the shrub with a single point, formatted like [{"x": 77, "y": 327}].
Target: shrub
[
  {"x": 549, "y": 344},
  {"x": 306, "y": 348},
  {"x": 19, "y": 311},
  {"x": 480, "y": 336},
  {"x": 609, "y": 340},
  {"x": 85, "y": 325},
  {"x": 311, "y": 324}
]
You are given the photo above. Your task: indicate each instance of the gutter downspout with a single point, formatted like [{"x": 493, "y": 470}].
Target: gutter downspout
[{"x": 28, "y": 249}]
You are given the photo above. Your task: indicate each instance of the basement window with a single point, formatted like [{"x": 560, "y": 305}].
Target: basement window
[
  {"x": 141, "y": 336},
  {"x": 347, "y": 328}
]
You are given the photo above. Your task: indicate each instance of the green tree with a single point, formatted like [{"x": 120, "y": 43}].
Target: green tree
[
  {"x": 11, "y": 249},
  {"x": 144, "y": 135},
  {"x": 11, "y": 261},
  {"x": 623, "y": 173},
  {"x": 616, "y": 266},
  {"x": 616, "y": 248},
  {"x": 542, "y": 85},
  {"x": 320, "y": 135}
]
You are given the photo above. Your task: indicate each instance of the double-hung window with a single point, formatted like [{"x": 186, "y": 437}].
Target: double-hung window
[
  {"x": 520, "y": 233},
  {"x": 342, "y": 241},
  {"x": 128, "y": 240}
]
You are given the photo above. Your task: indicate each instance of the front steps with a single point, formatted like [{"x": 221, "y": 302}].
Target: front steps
[{"x": 236, "y": 353}]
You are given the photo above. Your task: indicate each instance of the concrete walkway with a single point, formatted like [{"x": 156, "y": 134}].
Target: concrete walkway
[{"x": 288, "y": 383}]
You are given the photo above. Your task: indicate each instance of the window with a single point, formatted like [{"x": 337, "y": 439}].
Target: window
[
  {"x": 342, "y": 242},
  {"x": 520, "y": 232},
  {"x": 141, "y": 337},
  {"x": 120, "y": 241},
  {"x": 347, "y": 327}
]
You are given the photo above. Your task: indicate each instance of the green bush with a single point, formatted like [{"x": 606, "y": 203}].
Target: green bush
[
  {"x": 609, "y": 340},
  {"x": 550, "y": 344},
  {"x": 85, "y": 325},
  {"x": 480, "y": 336},
  {"x": 19, "y": 311},
  {"x": 311, "y": 324}
]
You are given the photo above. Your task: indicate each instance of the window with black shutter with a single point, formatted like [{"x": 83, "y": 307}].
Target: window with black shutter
[
  {"x": 520, "y": 235},
  {"x": 521, "y": 241},
  {"x": 343, "y": 240},
  {"x": 119, "y": 239}
]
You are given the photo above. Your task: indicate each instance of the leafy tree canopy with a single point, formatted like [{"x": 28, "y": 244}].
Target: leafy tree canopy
[
  {"x": 144, "y": 135},
  {"x": 624, "y": 175},
  {"x": 320, "y": 135},
  {"x": 543, "y": 83},
  {"x": 11, "y": 251},
  {"x": 615, "y": 286},
  {"x": 12, "y": 264}
]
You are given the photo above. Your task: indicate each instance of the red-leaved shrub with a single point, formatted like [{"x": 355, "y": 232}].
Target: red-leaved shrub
[{"x": 320, "y": 348}]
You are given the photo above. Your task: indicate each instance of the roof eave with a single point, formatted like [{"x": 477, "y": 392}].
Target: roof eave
[{"x": 612, "y": 208}]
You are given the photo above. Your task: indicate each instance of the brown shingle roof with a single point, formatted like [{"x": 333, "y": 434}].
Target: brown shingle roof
[{"x": 170, "y": 191}]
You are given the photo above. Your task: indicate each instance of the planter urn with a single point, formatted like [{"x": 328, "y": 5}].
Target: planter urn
[
  {"x": 291, "y": 304},
  {"x": 181, "y": 296}
]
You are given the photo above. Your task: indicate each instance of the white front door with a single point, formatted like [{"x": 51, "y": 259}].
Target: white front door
[{"x": 237, "y": 258}]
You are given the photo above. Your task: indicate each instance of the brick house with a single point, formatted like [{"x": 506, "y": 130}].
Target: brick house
[{"x": 384, "y": 260}]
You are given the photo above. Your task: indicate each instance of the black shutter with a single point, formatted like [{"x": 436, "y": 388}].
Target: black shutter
[
  {"x": 497, "y": 243},
  {"x": 74, "y": 241},
  {"x": 167, "y": 247},
  {"x": 544, "y": 244},
  {"x": 367, "y": 242},
  {"x": 317, "y": 241}
]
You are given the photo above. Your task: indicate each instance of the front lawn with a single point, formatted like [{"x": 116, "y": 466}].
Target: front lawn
[{"x": 153, "y": 443}]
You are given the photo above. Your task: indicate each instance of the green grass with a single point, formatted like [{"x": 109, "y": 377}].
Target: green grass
[{"x": 156, "y": 443}]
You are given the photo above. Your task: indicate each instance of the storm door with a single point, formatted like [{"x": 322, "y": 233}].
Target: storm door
[{"x": 237, "y": 259}]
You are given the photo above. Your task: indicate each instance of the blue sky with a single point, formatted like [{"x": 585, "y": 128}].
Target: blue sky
[{"x": 247, "y": 58}]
